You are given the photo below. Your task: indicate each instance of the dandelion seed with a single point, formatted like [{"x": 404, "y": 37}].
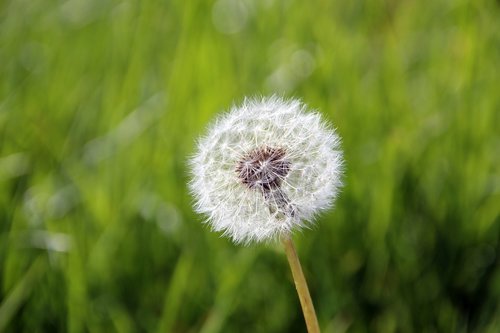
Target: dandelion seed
[{"x": 265, "y": 168}]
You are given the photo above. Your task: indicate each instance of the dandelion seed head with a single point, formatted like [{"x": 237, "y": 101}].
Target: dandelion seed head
[{"x": 264, "y": 169}]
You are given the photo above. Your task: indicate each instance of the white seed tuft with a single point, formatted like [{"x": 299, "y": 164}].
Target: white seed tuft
[{"x": 264, "y": 169}]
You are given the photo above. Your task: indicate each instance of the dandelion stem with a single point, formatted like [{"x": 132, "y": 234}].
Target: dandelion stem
[{"x": 301, "y": 285}]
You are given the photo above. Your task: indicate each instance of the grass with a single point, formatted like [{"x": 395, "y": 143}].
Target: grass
[{"x": 100, "y": 105}]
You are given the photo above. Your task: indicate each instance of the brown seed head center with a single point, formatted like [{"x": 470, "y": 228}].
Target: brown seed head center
[{"x": 263, "y": 168}]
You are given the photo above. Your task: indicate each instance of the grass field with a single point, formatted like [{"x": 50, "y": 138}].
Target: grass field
[{"x": 100, "y": 105}]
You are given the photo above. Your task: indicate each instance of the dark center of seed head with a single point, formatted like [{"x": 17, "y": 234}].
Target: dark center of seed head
[{"x": 263, "y": 168}]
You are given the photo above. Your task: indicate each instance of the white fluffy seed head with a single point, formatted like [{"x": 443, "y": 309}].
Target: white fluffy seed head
[{"x": 265, "y": 168}]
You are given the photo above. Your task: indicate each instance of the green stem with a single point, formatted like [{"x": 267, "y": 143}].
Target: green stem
[{"x": 301, "y": 286}]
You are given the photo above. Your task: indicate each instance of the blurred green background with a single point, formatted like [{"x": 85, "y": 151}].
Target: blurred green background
[{"x": 100, "y": 105}]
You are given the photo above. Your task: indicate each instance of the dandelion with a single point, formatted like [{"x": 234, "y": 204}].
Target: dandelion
[{"x": 265, "y": 169}]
